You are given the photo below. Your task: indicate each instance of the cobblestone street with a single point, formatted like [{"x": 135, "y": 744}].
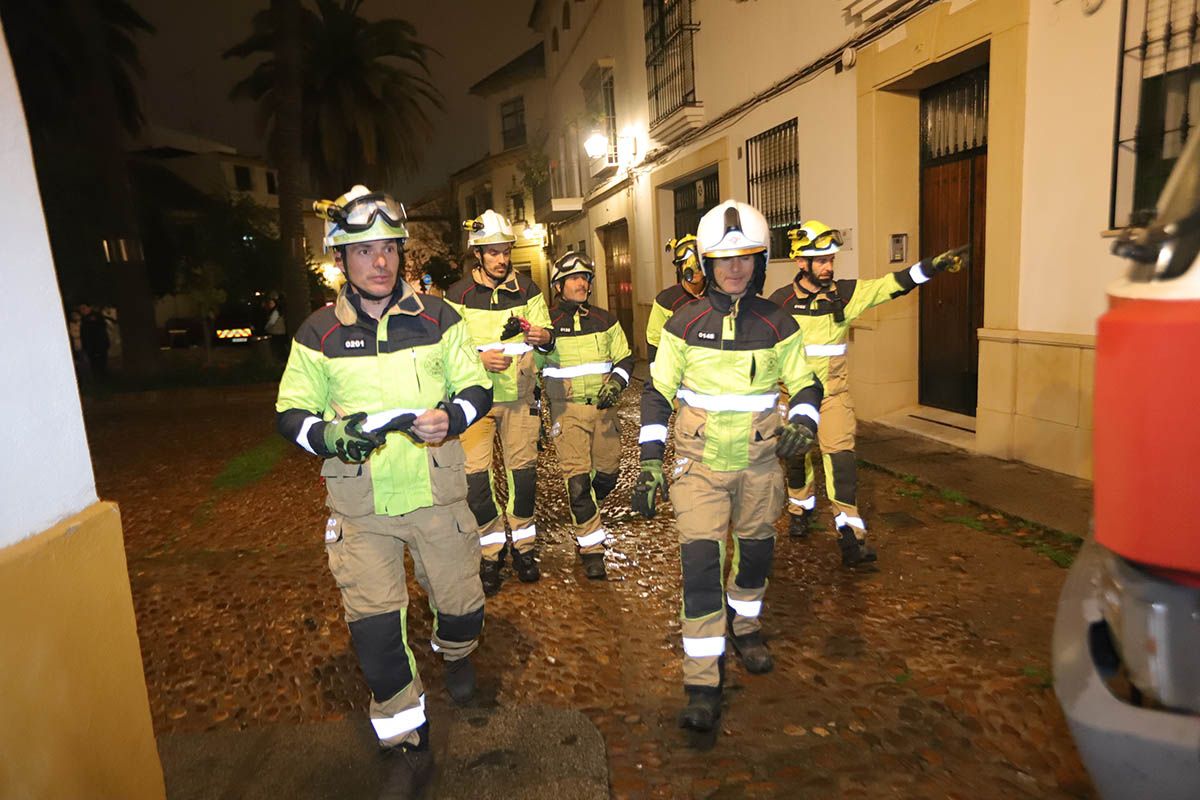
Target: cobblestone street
[{"x": 927, "y": 678}]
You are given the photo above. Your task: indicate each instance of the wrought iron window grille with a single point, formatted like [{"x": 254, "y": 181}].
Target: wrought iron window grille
[{"x": 773, "y": 178}]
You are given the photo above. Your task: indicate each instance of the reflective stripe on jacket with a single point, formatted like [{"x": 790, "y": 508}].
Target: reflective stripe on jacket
[
  {"x": 486, "y": 311},
  {"x": 589, "y": 345},
  {"x": 724, "y": 362},
  {"x": 826, "y": 336}
]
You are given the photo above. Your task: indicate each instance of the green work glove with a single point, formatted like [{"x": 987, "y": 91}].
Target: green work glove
[
  {"x": 348, "y": 440},
  {"x": 951, "y": 260},
  {"x": 647, "y": 486},
  {"x": 794, "y": 440},
  {"x": 610, "y": 392}
]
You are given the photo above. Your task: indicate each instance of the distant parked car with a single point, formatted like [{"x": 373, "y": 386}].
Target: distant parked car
[{"x": 235, "y": 324}]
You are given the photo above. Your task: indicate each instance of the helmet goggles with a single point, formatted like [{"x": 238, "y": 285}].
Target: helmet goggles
[{"x": 361, "y": 213}]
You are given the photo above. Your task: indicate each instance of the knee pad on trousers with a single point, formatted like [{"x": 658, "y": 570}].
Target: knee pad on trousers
[
  {"x": 702, "y": 590},
  {"x": 755, "y": 557},
  {"x": 524, "y": 482},
  {"x": 460, "y": 627},
  {"x": 379, "y": 643},
  {"x": 579, "y": 488},
  {"x": 479, "y": 498},
  {"x": 845, "y": 476},
  {"x": 797, "y": 471},
  {"x": 603, "y": 484}
]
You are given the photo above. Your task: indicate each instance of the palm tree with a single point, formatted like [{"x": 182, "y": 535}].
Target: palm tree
[
  {"x": 75, "y": 61},
  {"x": 366, "y": 94}
]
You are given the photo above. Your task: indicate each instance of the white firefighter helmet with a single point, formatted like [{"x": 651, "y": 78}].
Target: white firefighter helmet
[
  {"x": 361, "y": 215},
  {"x": 489, "y": 228},
  {"x": 733, "y": 228}
]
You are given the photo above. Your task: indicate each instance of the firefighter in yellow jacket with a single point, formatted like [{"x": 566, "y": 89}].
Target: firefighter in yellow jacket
[
  {"x": 689, "y": 284},
  {"x": 723, "y": 358},
  {"x": 508, "y": 319},
  {"x": 824, "y": 308},
  {"x": 380, "y": 385},
  {"x": 584, "y": 378}
]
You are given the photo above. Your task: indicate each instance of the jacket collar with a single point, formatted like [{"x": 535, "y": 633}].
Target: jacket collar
[
  {"x": 724, "y": 303},
  {"x": 509, "y": 284},
  {"x": 404, "y": 300},
  {"x": 569, "y": 308}
]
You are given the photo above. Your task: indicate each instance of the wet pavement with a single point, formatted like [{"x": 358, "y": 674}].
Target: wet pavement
[{"x": 927, "y": 678}]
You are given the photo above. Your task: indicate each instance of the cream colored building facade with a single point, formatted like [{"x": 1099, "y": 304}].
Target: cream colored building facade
[
  {"x": 514, "y": 109},
  {"x": 844, "y": 98},
  {"x": 76, "y": 719}
]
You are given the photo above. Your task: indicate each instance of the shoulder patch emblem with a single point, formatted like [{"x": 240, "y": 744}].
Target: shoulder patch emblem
[{"x": 432, "y": 365}]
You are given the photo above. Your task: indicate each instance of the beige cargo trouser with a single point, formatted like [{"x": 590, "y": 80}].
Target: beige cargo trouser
[
  {"x": 518, "y": 423},
  {"x": 708, "y": 505},
  {"x": 588, "y": 443},
  {"x": 366, "y": 556},
  {"x": 835, "y": 437}
]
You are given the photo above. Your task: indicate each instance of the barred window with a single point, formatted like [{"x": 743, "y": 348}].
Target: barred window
[
  {"x": 670, "y": 69},
  {"x": 512, "y": 122},
  {"x": 693, "y": 199},
  {"x": 1158, "y": 102},
  {"x": 602, "y": 106},
  {"x": 773, "y": 175}
]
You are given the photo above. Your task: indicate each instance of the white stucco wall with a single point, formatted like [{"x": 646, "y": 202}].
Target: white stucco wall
[
  {"x": 47, "y": 472},
  {"x": 1070, "y": 98},
  {"x": 825, "y": 105},
  {"x": 742, "y": 48}
]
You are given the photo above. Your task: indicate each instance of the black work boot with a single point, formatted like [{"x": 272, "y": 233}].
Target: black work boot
[
  {"x": 525, "y": 565},
  {"x": 409, "y": 770},
  {"x": 753, "y": 652},
  {"x": 460, "y": 680},
  {"x": 489, "y": 575},
  {"x": 798, "y": 525},
  {"x": 703, "y": 708},
  {"x": 855, "y": 552},
  {"x": 593, "y": 565}
]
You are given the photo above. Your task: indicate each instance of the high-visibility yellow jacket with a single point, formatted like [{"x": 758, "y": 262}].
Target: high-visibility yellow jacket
[
  {"x": 723, "y": 360},
  {"x": 824, "y": 317},
  {"x": 486, "y": 310},
  {"x": 589, "y": 348},
  {"x": 668, "y": 301},
  {"x": 418, "y": 355}
]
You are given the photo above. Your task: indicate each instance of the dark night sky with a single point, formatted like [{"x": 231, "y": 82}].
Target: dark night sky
[{"x": 187, "y": 83}]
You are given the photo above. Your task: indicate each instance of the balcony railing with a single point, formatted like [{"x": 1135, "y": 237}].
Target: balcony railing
[{"x": 670, "y": 69}]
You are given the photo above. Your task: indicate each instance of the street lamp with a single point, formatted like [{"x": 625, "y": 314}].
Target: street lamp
[{"x": 596, "y": 145}]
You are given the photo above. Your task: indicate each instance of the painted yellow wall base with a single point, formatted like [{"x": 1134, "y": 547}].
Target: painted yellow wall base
[
  {"x": 1035, "y": 398},
  {"x": 76, "y": 716}
]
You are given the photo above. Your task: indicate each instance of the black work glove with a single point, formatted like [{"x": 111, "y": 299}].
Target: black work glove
[
  {"x": 951, "y": 260},
  {"x": 608, "y": 395},
  {"x": 512, "y": 327},
  {"x": 346, "y": 438},
  {"x": 794, "y": 439},
  {"x": 401, "y": 424},
  {"x": 647, "y": 486}
]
